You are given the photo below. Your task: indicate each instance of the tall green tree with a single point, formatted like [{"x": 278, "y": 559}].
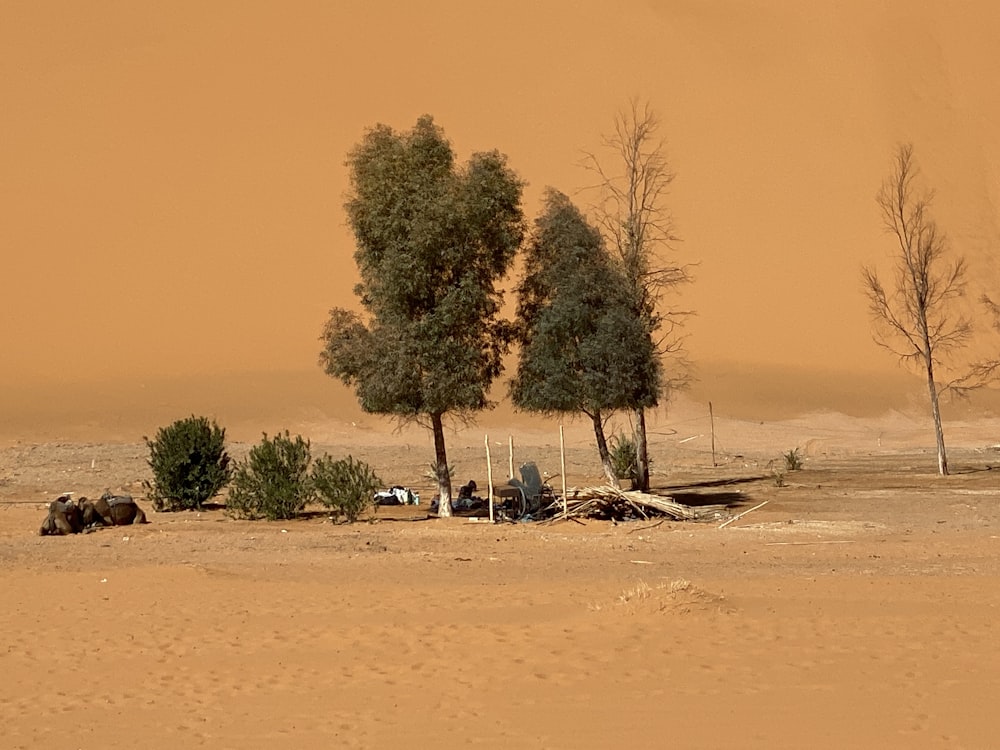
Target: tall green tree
[
  {"x": 433, "y": 240},
  {"x": 633, "y": 180},
  {"x": 583, "y": 348}
]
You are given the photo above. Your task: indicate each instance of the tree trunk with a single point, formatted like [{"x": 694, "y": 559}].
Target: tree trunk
[
  {"x": 602, "y": 449},
  {"x": 641, "y": 450},
  {"x": 441, "y": 467},
  {"x": 936, "y": 413}
]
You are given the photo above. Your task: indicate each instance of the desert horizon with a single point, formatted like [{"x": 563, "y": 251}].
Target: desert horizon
[{"x": 312, "y": 404}]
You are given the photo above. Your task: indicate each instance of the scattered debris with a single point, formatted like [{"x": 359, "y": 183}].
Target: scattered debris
[
  {"x": 806, "y": 544},
  {"x": 610, "y": 503}
]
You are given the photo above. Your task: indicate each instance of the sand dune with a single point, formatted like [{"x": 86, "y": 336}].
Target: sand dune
[{"x": 173, "y": 175}]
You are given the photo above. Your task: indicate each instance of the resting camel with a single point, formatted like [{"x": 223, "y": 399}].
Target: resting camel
[
  {"x": 110, "y": 510},
  {"x": 65, "y": 517}
]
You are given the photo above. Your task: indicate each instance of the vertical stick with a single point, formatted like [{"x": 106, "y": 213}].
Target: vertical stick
[
  {"x": 510, "y": 456},
  {"x": 562, "y": 465},
  {"x": 489, "y": 476},
  {"x": 711, "y": 417}
]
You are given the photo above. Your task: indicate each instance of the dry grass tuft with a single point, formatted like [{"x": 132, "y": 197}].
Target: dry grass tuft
[{"x": 677, "y": 596}]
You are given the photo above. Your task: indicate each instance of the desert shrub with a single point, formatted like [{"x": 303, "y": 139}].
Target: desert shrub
[
  {"x": 624, "y": 458},
  {"x": 273, "y": 481},
  {"x": 433, "y": 475},
  {"x": 347, "y": 487},
  {"x": 793, "y": 461},
  {"x": 189, "y": 462}
]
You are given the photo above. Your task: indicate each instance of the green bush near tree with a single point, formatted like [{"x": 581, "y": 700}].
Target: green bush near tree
[
  {"x": 624, "y": 458},
  {"x": 345, "y": 486},
  {"x": 273, "y": 482},
  {"x": 793, "y": 460},
  {"x": 189, "y": 462}
]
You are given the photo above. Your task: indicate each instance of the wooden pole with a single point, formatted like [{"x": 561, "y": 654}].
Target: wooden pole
[
  {"x": 562, "y": 465},
  {"x": 489, "y": 476},
  {"x": 738, "y": 516},
  {"x": 711, "y": 418},
  {"x": 510, "y": 456}
]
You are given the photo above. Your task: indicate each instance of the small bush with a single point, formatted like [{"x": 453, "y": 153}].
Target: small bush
[
  {"x": 433, "y": 475},
  {"x": 347, "y": 487},
  {"x": 793, "y": 461},
  {"x": 624, "y": 458},
  {"x": 189, "y": 462},
  {"x": 273, "y": 481}
]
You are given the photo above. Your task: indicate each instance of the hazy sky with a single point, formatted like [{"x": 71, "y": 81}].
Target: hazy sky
[{"x": 172, "y": 179}]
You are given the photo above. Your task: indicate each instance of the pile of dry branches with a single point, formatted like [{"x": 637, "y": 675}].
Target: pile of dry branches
[{"x": 610, "y": 503}]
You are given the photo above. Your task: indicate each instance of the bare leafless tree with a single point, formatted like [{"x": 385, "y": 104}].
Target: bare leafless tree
[
  {"x": 918, "y": 317},
  {"x": 633, "y": 181},
  {"x": 988, "y": 370}
]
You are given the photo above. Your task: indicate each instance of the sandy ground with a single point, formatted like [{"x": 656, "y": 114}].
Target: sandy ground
[{"x": 858, "y": 608}]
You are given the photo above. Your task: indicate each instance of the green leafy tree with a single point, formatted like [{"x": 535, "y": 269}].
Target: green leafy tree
[
  {"x": 189, "y": 462},
  {"x": 433, "y": 241},
  {"x": 273, "y": 481},
  {"x": 583, "y": 348}
]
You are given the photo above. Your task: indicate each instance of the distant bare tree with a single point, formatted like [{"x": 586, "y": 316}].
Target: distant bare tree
[
  {"x": 634, "y": 179},
  {"x": 988, "y": 370},
  {"x": 917, "y": 318}
]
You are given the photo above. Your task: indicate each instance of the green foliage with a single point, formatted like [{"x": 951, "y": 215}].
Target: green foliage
[
  {"x": 189, "y": 462},
  {"x": 793, "y": 461},
  {"x": 434, "y": 472},
  {"x": 273, "y": 481},
  {"x": 584, "y": 345},
  {"x": 433, "y": 241},
  {"x": 347, "y": 487},
  {"x": 624, "y": 458}
]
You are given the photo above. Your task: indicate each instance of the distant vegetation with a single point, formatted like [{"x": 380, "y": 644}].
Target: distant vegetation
[
  {"x": 624, "y": 459},
  {"x": 279, "y": 478},
  {"x": 434, "y": 239},
  {"x": 272, "y": 482},
  {"x": 189, "y": 462},
  {"x": 793, "y": 460},
  {"x": 345, "y": 486},
  {"x": 918, "y": 315},
  {"x": 583, "y": 349}
]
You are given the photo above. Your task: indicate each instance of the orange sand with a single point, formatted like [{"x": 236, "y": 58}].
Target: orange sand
[{"x": 856, "y": 609}]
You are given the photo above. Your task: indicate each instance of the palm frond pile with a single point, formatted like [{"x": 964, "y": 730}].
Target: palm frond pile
[{"x": 610, "y": 503}]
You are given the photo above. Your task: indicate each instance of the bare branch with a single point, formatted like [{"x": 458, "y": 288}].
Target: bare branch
[{"x": 631, "y": 211}]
